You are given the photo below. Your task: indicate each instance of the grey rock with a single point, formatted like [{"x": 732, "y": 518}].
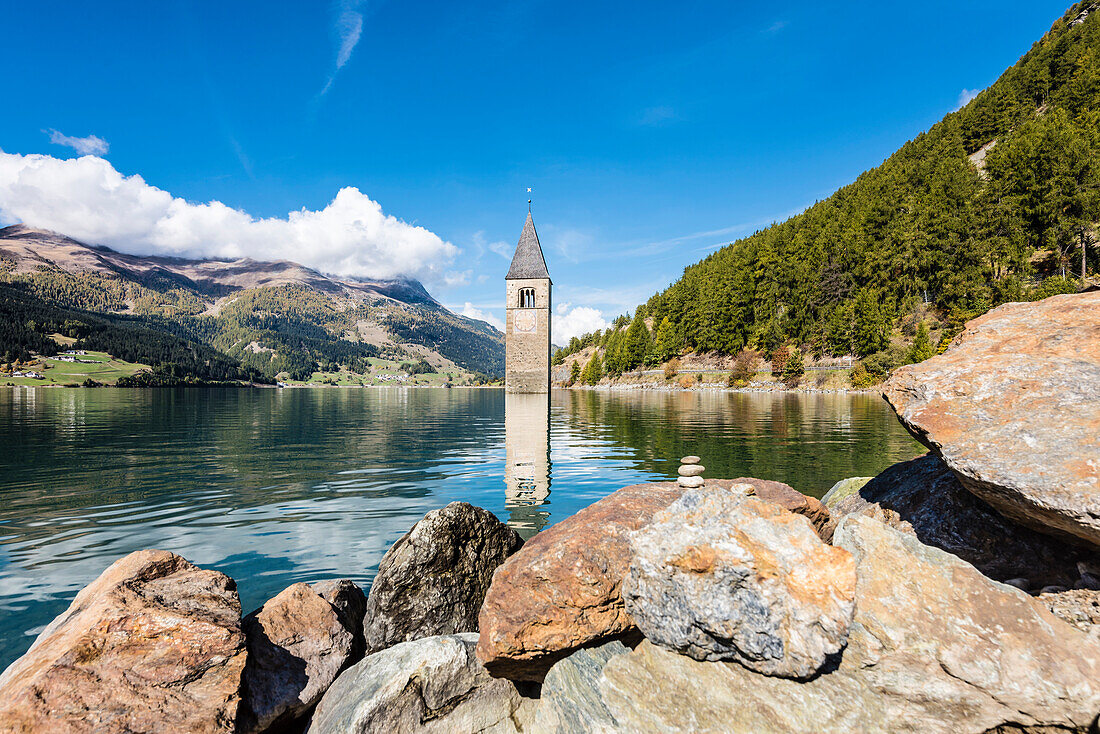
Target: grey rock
[
  {"x": 1020, "y": 583},
  {"x": 297, "y": 645},
  {"x": 691, "y": 470},
  {"x": 843, "y": 488},
  {"x": 720, "y": 576},
  {"x": 690, "y": 482},
  {"x": 350, "y": 603},
  {"x": 1013, "y": 407},
  {"x": 433, "y": 580},
  {"x": 435, "y": 684},
  {"x": 924, "y": 497},
  {"x": 1089, "y": 582},
  {"x": 690, "y": 460},
  {"x": 935, "y": 648},
  {"x": 570, "y": 700},
  {"x": 1053, "y": 589},
  {"x": 1079, "y": 607}
]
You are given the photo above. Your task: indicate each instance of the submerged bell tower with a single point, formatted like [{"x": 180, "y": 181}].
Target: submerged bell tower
[{"x": 527, "y": 321}]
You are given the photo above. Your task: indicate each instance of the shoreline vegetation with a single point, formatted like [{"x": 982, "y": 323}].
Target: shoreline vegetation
[{"x": 931, "y": 597}]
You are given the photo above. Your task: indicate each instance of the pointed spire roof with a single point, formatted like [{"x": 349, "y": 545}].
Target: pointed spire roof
[{"x": 528, "y": 261}]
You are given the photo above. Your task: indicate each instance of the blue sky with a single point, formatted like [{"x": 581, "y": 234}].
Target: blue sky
[{"x": 651, "y": 133}]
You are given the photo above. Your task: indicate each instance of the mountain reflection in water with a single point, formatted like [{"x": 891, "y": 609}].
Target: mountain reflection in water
[{"x": 278, "y": 486}]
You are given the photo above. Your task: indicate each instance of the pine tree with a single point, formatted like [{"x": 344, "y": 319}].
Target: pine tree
[
  {"x": 922, "y": 345},
  {"x": 574, "y": 373},
  {"x": 794, "y": 369},
  {"x": 636, "y": 344},
  {"x": 665, "y": 344},
  {"x": 593, "y": 371}
]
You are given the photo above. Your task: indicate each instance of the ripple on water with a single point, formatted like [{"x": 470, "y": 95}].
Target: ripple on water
[{"x": 278, "y": 486}]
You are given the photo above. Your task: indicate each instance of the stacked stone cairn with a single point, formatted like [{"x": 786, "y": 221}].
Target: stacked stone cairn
[
  {"x": 691, "y": 472},
  {"x": 731, "y": 605}
]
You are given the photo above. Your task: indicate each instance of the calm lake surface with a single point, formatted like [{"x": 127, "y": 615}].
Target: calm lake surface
[{"x": 278, "y": 486}]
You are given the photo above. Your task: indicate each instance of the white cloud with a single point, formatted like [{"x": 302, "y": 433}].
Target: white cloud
[
  {"x": 88, "y": 199},
  {"x": 349, "y": 28},
  {"x": 91, "y": 145},
  {"x": 571, "y": 322},
  {"x": 455, "y": 278},
  {"x": 473, "y": 312},
  {"x": 965, "y": 96}
]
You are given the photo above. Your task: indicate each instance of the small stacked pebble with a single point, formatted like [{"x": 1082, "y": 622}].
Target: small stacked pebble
[{"x": 691, "y": 472}]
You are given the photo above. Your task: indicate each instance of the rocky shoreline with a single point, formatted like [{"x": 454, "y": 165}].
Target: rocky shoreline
[{"x": 955, "y": 592}]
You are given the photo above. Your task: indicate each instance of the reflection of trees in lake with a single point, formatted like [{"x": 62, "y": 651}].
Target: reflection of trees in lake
[
  {"x": 227, "y": 448},
  {"x": 807, "y": 440},
  {"x": 527, "y": 460}
]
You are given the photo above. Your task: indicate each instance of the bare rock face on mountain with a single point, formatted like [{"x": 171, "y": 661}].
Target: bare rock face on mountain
[
  {"x": 1014, "y": 409},
  {"x": 936, "y": 647},
  {"x": 152, "y": 645},
  {"x": 433, "y": 580},
  {"x": 431, "y": 685},
  {"x": 297, "y": 644},
  {"x": 929, "y": 501},
  {"x": 718, "y": 576}
]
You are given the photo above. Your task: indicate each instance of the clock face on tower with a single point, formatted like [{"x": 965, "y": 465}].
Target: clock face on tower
[{"x": 525, "y": 322}]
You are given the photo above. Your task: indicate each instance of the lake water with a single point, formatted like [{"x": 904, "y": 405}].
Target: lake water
[{"x": 278, "y": 486}]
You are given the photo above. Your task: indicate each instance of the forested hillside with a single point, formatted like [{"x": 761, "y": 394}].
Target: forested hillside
[
  {"x": 26, "y": 323},
  {"x": 997, "y": 202}
]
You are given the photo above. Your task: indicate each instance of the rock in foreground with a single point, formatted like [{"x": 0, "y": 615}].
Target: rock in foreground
[
  {"x": 936, "y": 647},
  {"x": 431, "y": 685},
  {"x": 152, "y": 645},
  {"x": 722, "y": 577},
  {"x": 562, "y": 591},
  {"x": 570, "y": 701},
  {"x": 929, "y": 500},
  {"x": 1014, "y": 408},
  {"x": 433, "y": 580},
  {"x": 297, "y": 645}
]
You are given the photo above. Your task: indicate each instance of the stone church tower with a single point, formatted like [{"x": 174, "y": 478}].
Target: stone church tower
[{"x": 527, "y": 323}]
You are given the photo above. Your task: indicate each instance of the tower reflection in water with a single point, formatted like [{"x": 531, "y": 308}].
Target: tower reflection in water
[{"x": 527, "y": 460}]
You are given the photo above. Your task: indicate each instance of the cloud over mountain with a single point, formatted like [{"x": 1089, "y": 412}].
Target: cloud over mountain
[{"x": 88, "y": 199}]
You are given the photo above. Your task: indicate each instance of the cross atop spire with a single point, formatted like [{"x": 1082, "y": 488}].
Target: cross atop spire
[{"x": 528, "y": 261}]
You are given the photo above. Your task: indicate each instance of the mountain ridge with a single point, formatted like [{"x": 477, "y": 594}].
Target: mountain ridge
[{"x": 273, "y": 316}]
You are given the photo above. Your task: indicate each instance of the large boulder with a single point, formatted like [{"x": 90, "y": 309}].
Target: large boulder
[
  {"x": 843, "y": 489},
  {"x": 787, "y": 497},
  {"x": 433, "y": 580},
  {"x": 297, "y": 645},
  {"x": 429, "y": 685},
  {"x": 562, "y": 591},
  {"x": 350, "y": 603},
  {"x": 935, "y": 647},
  {"x": 570, "y": 700},
  {"x": 152, "y": 645},
  {"x": 929, "y": 500},
  {"x": 1014, "y": 409},
  {"x": 718, "y": 576}
]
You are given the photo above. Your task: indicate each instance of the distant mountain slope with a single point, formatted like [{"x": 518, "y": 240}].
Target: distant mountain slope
[
  {"x": 27, "y": 321},
  {"x": 981, "y": 209},
  {"x": 274, "y": 317}
]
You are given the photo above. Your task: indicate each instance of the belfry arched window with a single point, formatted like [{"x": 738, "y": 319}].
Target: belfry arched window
[{"x": 526, "y": 297}]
